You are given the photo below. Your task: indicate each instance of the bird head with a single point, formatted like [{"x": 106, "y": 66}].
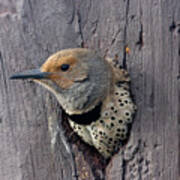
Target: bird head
[{"x": 79, "y": 78}]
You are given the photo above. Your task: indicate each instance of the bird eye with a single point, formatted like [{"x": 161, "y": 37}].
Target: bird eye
[{"x": 64, "y": 67}]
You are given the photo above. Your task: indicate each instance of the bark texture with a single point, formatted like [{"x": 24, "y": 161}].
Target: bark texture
[{"x": 146, "y": 37}]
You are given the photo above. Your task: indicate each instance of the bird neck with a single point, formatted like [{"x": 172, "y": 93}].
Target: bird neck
[
  {"x": 79, "y": 99},
  {"x": 88, "y": 117}
]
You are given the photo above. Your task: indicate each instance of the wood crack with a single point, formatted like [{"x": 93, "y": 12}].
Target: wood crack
[
  {"x": 124, "y": 64},
  {"x": 80, "y": 28},
  {"x": 140, "y": 41}
]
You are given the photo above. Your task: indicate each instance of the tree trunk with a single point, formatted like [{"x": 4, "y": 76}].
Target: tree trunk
[{"x": 146, "y": 37}]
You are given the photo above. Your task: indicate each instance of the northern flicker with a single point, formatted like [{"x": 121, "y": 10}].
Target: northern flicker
[{"x": 93, "y": 91}]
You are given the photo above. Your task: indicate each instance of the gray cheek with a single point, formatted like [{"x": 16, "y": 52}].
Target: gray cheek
[{"x": 78, "y": 96}]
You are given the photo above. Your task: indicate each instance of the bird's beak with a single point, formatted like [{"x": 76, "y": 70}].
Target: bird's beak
[{"x": 31, "y": 74}]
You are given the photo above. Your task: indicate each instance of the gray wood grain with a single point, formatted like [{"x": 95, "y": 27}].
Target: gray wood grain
[{"x": 30, "y": 118}]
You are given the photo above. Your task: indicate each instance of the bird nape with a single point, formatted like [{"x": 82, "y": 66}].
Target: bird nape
[{"x": 93, "y": 91}]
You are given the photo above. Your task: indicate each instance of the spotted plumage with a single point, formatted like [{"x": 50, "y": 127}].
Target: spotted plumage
[{"x": 94, "y": 93}]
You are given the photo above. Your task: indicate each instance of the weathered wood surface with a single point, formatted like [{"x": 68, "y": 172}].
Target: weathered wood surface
[{"x": 31, "y": 30}]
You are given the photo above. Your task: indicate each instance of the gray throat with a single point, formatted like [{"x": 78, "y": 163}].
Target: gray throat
[{"x": 78, "y": 99}]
